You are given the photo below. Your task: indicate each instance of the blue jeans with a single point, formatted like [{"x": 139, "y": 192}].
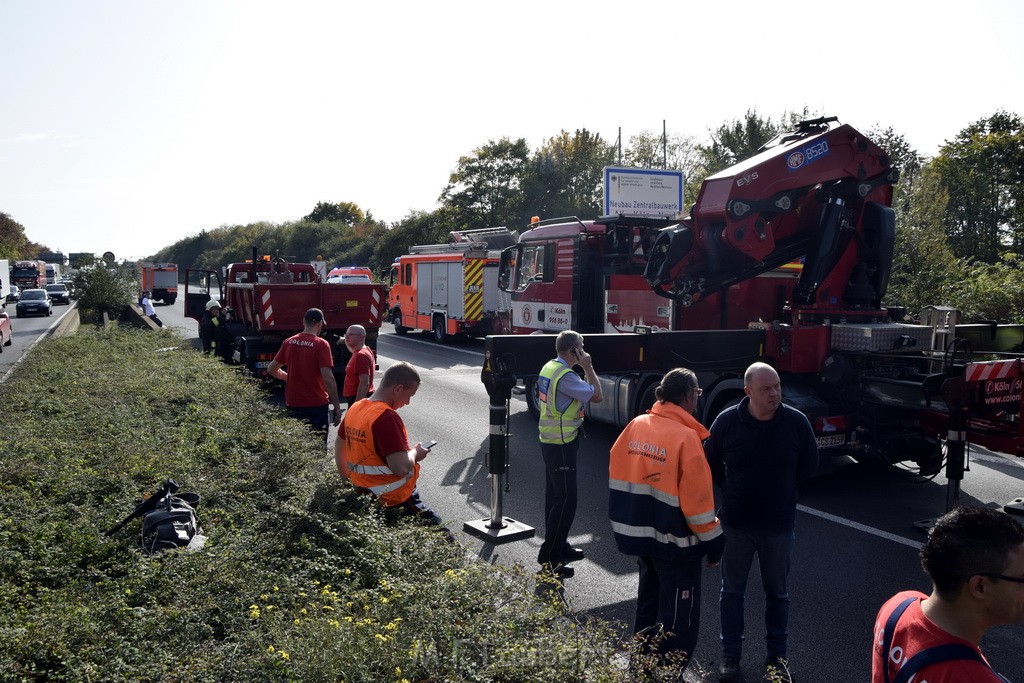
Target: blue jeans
[
  {"x": 669, "y": 595},
  {"x": 559, "y": 499},
  {"x": 773, "y": 555}
]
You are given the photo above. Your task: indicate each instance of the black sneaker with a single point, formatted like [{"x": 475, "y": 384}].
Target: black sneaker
[
  {"x": 559, "y": 571},
  {"x": 572, "y": 554},
  {"x": 776, "y": 669},
  {"x": 730, "y": 671}
]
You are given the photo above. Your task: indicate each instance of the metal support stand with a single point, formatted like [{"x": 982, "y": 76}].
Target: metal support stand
[
  {"x": 498, "y": 528},
  {"x": 956, "y": 446}
]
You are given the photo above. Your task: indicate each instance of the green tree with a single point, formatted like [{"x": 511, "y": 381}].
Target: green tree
[
  {"x": 486, "y": 189},
  {"x": 341, "y": 212},
  {"x": 646, "y": 150},
  {"x": 925, "y": 270},
  {"x": 736, "y": 140},
  {"x": 982, "y": 170},
  {"x": 564, "y": 177},
  {"x": 13, "y": 242},
  {"x": 105, "y": 290}
]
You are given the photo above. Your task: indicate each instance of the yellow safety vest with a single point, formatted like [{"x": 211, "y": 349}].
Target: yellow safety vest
[{"x": 556, "y": 426}]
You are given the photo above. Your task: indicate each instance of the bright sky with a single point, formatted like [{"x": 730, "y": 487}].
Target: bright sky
[{"x": 127, "y": 125}]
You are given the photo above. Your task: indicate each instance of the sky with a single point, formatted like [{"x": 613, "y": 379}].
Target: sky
[{"x": 126, "y": 126}]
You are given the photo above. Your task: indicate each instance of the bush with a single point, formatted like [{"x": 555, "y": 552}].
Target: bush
[{"x": 300, "y": 579}]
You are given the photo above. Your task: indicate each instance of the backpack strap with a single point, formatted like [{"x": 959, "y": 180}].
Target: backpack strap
[
  {"x": 932, "y": 655},
  {"x": 935, "y": 655},
  {"x": 890, "y": 628}
]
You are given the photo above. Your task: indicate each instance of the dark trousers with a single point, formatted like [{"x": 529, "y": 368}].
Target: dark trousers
[
  {"x": 315, "y": 416},
  {"x": 669, "y": 596},
  {"x": 559, "y": 499},
  {"x": 773, "y": 555},
  {"x": 157, "y": 320}
]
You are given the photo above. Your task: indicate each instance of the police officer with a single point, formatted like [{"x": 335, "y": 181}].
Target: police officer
[{"x": 562, "y": 395}]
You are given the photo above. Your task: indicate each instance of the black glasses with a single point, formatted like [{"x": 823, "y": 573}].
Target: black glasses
[{"x": 1015, "y": 579}]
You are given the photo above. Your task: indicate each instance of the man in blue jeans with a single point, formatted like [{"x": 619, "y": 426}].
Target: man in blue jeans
[{"x": 759, "y": 451}]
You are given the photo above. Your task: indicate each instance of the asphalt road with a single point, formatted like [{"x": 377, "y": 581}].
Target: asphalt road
[
  {"x": 856, "y": 538},
  {"x": 26, "y": 331}
]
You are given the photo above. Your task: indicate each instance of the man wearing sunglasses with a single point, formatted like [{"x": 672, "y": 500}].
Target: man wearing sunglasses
[{"x": 975, "y": 559}]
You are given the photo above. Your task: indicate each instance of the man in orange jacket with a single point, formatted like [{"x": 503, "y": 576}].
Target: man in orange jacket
[
  {"x": 662, "y": 510},
  {"x": 373, "y": 450}
]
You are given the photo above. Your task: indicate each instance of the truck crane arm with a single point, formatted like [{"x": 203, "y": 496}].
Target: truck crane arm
[{"x": 821, "y": 193}]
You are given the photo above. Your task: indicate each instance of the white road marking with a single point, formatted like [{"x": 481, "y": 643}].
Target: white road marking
[{"x": 860, "y": 527}]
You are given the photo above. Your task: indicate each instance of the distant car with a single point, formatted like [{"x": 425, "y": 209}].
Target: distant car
[
  {"x": 14, "y": 294},
  {"x": 6, "y": 338},
  {"x": 59, "y": 293},
  {"x": 34, "y": 302},
  {"x": 349, "y": 280}
]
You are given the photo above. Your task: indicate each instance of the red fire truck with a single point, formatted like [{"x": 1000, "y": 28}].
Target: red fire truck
[
  {"x": 451, "y": 288},
  {"x": 265, "y": 299}
]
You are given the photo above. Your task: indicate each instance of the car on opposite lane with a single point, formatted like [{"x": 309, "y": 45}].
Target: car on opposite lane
[
  {"x": 6, "y": 338},
  {"x": 34, "y": 302},
  {"x": 59, "y": 293},
  {"x": 14, "y": 294}
]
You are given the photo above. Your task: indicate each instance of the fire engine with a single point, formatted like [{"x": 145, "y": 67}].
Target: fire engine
[
  {"x": 452, "y": 288},
  {"x": 266, "y": 298},
  {"x": 719, "y": 289},
  {"x": 160, "y": 280}
]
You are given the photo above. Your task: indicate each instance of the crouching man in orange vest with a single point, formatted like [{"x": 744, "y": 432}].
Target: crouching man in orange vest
[{"x": 373, "y": 450}]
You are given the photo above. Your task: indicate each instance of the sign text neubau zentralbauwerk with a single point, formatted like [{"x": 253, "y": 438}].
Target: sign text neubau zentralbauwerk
[{"x": 642, "y": 192}]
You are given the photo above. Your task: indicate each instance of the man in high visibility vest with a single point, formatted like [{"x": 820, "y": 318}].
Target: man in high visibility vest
[
  {"x": 662, "y": 509},
  {"x": 373, "y": 450},
  {"x": 562, "y": 395}
]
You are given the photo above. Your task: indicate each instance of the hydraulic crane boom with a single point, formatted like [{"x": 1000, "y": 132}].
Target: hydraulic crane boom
[{"x": 821, "y": 192}]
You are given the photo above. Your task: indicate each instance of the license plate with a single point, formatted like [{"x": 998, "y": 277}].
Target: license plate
[
  {"x": 262, "y": 364},
  {"x": 831, "y": 441}
]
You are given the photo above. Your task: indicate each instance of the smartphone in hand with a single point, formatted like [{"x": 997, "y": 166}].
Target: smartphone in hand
[{"x": 430, "y": 444}]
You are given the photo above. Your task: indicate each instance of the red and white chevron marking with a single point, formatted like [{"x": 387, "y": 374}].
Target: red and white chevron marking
[
  {"x": 268, "y": 308},
  {"x": 995, "y": 369},
  {"x": 375, "y": 307}
]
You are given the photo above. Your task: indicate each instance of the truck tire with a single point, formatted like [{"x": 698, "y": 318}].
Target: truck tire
[
  {"x": 169, "y": 300},
  {"x": 396, "y": 320},
  {"x": 440, "y": 333}
]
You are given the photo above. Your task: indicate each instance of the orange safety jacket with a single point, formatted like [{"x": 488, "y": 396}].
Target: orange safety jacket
[
  {"x": 661, "y": 503},
  {"x": 367, "y": 469}
]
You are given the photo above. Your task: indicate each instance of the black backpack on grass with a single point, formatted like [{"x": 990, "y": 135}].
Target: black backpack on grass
[{"x": 171, "y": 524}]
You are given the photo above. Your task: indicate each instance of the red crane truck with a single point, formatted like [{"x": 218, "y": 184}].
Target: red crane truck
[
  {"x": 713, "y": 292},
  {"x": 265, "y": 299}
]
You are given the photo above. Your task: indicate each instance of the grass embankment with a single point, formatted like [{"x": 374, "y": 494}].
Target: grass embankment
[{"x": 300, "y": 579}]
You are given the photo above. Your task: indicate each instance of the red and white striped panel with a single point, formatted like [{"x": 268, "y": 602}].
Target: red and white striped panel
[
  {"x": 994, "y": 369},
  {"x": 267, "y": 308},
  {"x": 375, "y": 308}
]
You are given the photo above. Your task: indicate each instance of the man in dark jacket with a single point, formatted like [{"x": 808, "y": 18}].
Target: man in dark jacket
[{"x": 759, "y": 451}]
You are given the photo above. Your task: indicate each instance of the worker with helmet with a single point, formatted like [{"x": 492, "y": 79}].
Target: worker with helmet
[{"x": 213, "y": 330}]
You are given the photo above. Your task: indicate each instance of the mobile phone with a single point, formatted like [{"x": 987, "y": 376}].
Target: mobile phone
[
  {"x": 575, "y": 352},
  {"x": 430, "y": 444}
]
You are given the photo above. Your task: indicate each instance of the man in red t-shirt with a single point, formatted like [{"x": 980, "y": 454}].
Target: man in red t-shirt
[
  {"x": 975, "y": 559},
  {"x": 309, "y": 386},
  {"x": 360, "y": 368}
]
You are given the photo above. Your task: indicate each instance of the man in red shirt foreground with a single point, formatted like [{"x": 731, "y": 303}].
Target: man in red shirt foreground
[
  {"x": 975, "y": 559},
  {"x": 309, "y": 386}
]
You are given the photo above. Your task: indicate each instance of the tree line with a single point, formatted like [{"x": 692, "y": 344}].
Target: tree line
[{"x": 959, "y": 215}]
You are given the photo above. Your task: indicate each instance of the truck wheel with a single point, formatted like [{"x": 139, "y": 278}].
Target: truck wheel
[
  {"x": 440, "y": 333},
  {"x": 647, "y": 400},
  {"x": 396, "y": 320},
  {"x": 532, "y": 400}
]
